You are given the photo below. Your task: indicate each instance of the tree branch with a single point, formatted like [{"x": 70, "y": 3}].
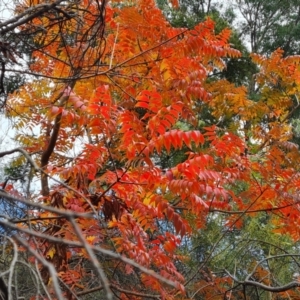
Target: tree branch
[
  {"x": 27, "y": 16},
  {"x": 279, "y": 289},
  {"x": 5, "y": 222}
]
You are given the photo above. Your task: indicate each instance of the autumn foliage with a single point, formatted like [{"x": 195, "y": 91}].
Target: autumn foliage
[{"x": 116, "y": 91}]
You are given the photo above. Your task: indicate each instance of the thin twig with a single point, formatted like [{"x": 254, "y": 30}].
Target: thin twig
[
  {"x": 97, "y": 266},
  {"x": 50, "y": 267},
  {"x": 110, "y": 253},
  {"x": 114, "y": 46}
]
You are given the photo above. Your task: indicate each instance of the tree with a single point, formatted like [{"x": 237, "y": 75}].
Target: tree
[
  {"x": 269, "y": 25},
  {"x": 112, "y": 90}
]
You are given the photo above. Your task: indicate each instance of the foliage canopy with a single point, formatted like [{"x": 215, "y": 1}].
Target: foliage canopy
[{"x": 159, "y": 178}]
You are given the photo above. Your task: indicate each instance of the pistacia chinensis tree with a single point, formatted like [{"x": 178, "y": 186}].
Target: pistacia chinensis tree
[{"x": 130, "y": 192}]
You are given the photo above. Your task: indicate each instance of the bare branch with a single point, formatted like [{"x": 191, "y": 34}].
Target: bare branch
[
  {"x": 45, "y": 263},
  {"x": 25, "y": 153},
  {"x": 27, "y": 16},
  {"x": 279, "y": 289},
  {"x": 96, "y": 264},
  {"x": 110, "y": 253},
  {"x": 60, "y": 212}
]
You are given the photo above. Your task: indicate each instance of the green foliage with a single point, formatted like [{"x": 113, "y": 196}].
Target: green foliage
[
  {"x": 16, "y": 169},
  {"x": 13, "y": 82}
]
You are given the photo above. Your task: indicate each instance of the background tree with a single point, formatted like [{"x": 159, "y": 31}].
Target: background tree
[{"x": 269, "y": 25}]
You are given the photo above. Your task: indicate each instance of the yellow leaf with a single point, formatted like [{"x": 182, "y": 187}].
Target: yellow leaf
[
  {"x": 90, "y": 239},
  {"x": 165, "y": 70},
  {"x": 50, "y": 252}
]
